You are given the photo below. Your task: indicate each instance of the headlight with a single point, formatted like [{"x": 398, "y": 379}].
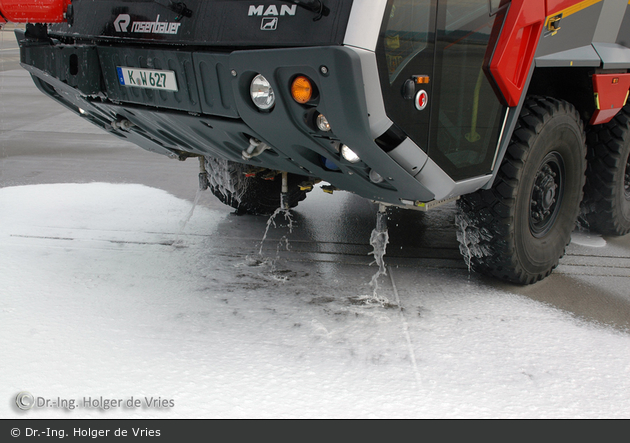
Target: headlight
[
  {"x": 262, "y": 93},
  {"x": 349, "y": 154}
]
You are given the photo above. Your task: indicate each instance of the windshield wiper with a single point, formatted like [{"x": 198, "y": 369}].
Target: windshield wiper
[
  {"x": 178, "y": 7},
  {"x": 316, "y": 6}
]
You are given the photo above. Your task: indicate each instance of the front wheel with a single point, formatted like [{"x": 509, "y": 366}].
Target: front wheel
[
  {"x": 518, "y": 230},
  {"x": 252, "y": 194}
]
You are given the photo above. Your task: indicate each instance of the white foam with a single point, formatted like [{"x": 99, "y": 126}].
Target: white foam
[{"x": 589, "y": 240}]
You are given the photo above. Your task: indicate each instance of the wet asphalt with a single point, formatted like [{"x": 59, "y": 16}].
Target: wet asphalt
[{"x": 42, "y": 143}]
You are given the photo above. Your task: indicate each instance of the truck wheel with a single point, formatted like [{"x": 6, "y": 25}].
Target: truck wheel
[
  {"x": 607, "y": 192},
  {"x": 518, "y": 230},
  {"x": 249, "y": 195}
]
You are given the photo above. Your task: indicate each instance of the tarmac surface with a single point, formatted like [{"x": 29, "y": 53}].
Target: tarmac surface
[
  {"x": 42, "y": 142},
  {"x": 170, "y": 293}
]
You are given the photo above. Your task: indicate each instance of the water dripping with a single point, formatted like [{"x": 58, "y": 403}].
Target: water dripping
[
  {"x": 272, "y": 221},
  {"x": 464, "y": 249},
  {"x": 284, "y": 208},
  {"x": 184, "y": 222},
  {"x": 379, "y": 240}
]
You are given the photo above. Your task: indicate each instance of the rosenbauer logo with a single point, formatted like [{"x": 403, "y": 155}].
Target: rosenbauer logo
[{"x": 122, "y": 22}]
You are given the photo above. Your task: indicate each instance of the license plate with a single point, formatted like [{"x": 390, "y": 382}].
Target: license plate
[{"x": 147, "y": 78}]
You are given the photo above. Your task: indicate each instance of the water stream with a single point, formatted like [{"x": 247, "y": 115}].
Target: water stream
[
  {"x": 184, "y": 222},
  {"x": 271, "y": 221},
  {"x": 378, "y": 240},
  {"x": 464, "y": 249}
]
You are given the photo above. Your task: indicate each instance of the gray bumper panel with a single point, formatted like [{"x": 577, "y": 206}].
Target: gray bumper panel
[{"x": 212, "y": 113}]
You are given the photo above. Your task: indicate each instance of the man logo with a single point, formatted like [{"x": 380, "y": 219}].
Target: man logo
[
  {"x": 270, "y": 14},
  {"x": 269, "y": 24},
  {"x": 271, "y": 10}
]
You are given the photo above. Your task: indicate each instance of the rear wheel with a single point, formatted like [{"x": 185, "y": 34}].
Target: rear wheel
[
  {"x": 607, "y": 192},
  {"x": 250, "y": 194},
  {"x": 518, "y": 230}
]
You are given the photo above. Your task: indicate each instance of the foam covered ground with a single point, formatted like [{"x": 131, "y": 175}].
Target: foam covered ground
[{"x": 105, "y": 293}]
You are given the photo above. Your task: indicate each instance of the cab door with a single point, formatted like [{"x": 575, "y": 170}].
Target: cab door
[
  {"x": 467, "y": 114},
  {"x": 456, "y": 117}
]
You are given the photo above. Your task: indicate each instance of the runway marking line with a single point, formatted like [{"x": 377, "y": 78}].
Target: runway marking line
[{"x": 412, "y": 354}]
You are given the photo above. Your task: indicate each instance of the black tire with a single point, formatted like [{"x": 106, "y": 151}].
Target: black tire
[
  {"x": 249, "y": 195},
  {"x": 606, "y": 205},
  {"x": 518, "y": 230}
]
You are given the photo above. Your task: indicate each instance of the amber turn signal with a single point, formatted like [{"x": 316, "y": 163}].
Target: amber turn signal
[
  {"x": 421, "y": 79},
  {"x": 301, "y": 89}
]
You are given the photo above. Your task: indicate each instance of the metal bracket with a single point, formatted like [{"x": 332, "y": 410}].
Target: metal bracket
[
  {"x": 553, "y": 24},
  {"x": 255, "y": 148}
]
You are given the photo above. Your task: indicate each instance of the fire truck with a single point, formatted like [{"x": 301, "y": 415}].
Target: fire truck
[{"x": 516, "y": 109}]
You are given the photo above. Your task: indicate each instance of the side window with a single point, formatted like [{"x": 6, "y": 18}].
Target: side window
[
  {"x": 460, "y": 13},
  {"x": 406, "y": 33}
]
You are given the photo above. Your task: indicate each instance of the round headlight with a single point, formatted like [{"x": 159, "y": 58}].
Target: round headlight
[{"x": 262, "y": 93}]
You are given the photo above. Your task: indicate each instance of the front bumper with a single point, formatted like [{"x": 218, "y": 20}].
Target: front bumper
[{"x": 211, "y": 114}]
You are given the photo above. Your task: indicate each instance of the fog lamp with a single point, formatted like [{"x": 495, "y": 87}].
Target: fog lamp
[
  {"x": 375, "y": 177},
  {"x": 322, "y": 123},
  {"x": 349, "y": 154}
]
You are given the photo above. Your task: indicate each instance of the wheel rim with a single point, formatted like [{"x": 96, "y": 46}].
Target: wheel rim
[
  {"x": 546, "y": 195},
  {"x": 626, "y": 180}
]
